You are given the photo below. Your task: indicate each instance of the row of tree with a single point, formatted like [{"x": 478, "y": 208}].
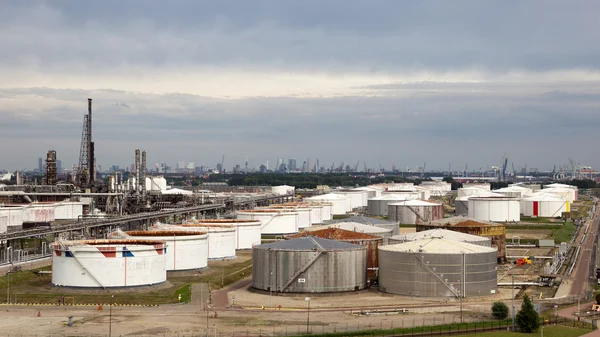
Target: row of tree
[{"x": 527, "y": 319}]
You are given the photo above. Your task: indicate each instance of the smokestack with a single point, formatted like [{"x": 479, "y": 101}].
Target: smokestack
[
  {"x": 90, "y": 145},
  {"x": 137, "y": 169},
  {"x": 143, "y": 179}
]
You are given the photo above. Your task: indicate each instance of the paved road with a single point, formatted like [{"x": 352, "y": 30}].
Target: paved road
[{"x": 581, "y": 273}]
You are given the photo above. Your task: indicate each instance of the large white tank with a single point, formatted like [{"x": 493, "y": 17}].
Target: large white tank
[
  {"x": 273, "y": 221},
  {"x": 568, "y": 194},
  {"x": 39, "y": 212},
  {"x": 496, "y": 209},
  {"x": 186, "y": 250},
  {"x": 304, "y": 213},
  {"x": 13, "y": 216},
  {"x": 247, "y": 232},
  {"x": 108, "y": 263},
  {"x": 358, "y": 199},
  {"x": 379, "y": 206},
  {"x": 472, "y": 191},
  {"x": 340, "y": 203},
  {"x": 371, "y": 192},
  {"x": 68, "y": 210},
  {"x": 283, "y": 189},
  {"x": 221, "y": 238},
  {"x": 544, "y": 205}
]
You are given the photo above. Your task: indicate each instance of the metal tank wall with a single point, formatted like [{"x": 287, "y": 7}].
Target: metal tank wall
[
  {"x": 332, "y": 271},
  {"x": 495, "y": 209},
  {"x": 68, "y": 210},
  {"x": 461, "y": 206},
  {"x": 14, "y": 215},
  {"x": 544, "y": 208},
  {"x": 185, "y": 251},
  {"x": 109, "y": 263},
  {"x": 496, "y": 233},
  {"x": 273, "y": 222},
  {"x": 38, "y": 213},
  {"x": 406, "y": 214},
  {"x": 412, "y": 273}
]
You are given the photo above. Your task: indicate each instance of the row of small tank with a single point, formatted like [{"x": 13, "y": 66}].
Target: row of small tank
[
  {"x": 432, "y": 263},
  {"x": 141, "y": 258}
]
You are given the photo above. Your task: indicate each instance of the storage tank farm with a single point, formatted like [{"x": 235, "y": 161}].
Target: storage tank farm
[
  {"x": 108, "y": 263},
  {"x": 186, "y": 250},
  {"x": 221, "y": 238},
  {"x": 441, "y": 233},
  {"x": 247, "y": 232},
  {"x": 437, "y": 267},
  {"x": 370, "y": 241},
  {"x": 495, "y": 231},
  {"x": 309, "y": 265},
  {"x": 274, "y": 221}
]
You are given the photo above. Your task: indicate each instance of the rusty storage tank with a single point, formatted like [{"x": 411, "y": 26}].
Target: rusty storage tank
[
  {"x": 372, "y": 243},
  {"x": 309, "y": 265},
  {"x": 495, "y": 231},
  {"x": 441, "y": 233},
  {"x": 437, "y": 267}
]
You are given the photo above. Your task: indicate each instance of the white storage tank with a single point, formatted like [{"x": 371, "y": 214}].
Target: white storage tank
[
  {"x": 247, "y": 232},
  {"x": 371, "y": 192},
  {"x": 358, "y": 199},
  {"x": 379, "y": 206},
  {"x": 341, "y": 204},
  {"x": 186, "y": 250},
  {"x": 544, "y": 205},
  {"x": 108, "y": 263},
  {"x": 274, "y": 221},
  {"x": 442, "y": 233},
  {"x": 569, "y": 194},
  {"x": 68, "y": 210},
  {"x": 495, "y": 209},
  {"x": 461, "y": 206},
  {"x": 221, "y": 238},
  {"x": 283, "y": 190},
  {"x": 39, "y": 212},
  {"x": 13, "y": 216},
  {"x": 415, "y": 211},
  {"x": 304, "y": 213}
]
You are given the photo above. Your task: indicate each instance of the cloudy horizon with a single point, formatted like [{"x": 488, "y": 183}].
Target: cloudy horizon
[{"x": 377, "y": 81}]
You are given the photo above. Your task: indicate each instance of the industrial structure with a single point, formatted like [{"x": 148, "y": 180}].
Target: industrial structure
[
  {"x": 108, "y": 263},
  {"x": 370, "y": 241},
  {"x": 442, "y": 233},
  {"x": 51, "y": 174},
  {"x": 495, "y": 231},
  {"x": 544, "y": 206},
  {"x": 437, "y": 267},
  {"x": 365, "y": 220},
  {"x": 86, "y": 172},
  {"x": 381, "y": 232},
  {"x": 415, "y": 211},
  {"x": 309, "y": 265},
  {"x": 274, "y": 221},
  {"x": 340, "y": 204},
  {"x": 186, "y": 250},
  {"x": 379, "y": 206}
]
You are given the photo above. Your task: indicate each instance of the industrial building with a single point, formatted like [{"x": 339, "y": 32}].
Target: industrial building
[
  {"x": 415, "y": 211},
  {"x": 309, "y": 265},
  {"x": 372, "y": 243},
  {"x": 544, "y": 206},
  {"x": 442, "y": 233},
  {"x": 495, "y": 209},
  {"x": 221, "y": 238},
  {"x": 108, "y": 263},
  {"x": 437, "y": 267},
  {"x": 274, "y": 221},
  {"x": 186, "y": 250},
  {"x": 495, "y": 231},
  {"x": 247, "y": 232}
]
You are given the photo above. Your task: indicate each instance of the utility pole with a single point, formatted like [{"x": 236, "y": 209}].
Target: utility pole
[
  {"x": 513, "y": 302},
  {"x": 110, "y": 316}
]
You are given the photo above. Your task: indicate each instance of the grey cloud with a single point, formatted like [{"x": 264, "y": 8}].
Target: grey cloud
[{"x": 380, "y": 36}]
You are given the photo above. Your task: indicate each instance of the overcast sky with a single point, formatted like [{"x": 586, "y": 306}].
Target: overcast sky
[{"x": 403, "y": 82}]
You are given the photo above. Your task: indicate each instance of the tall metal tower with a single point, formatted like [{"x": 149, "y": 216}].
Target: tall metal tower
[
  {"x": 86, "y": 170},
  {"x": 51, "y": 168}
]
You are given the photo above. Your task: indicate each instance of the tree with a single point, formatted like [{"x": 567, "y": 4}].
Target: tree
[
  {"x": 499, "y": 310},
  {"x": 527, "y": 318}
]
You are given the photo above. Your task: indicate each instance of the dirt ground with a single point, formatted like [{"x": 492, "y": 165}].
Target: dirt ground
[{"x": 528, "y": 234}]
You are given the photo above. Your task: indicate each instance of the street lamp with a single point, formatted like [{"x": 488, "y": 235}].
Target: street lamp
[
  {"x": 307, "y": 299},
  {"x": 110, "y": 316},
  {"x": 555, "y": 314}
]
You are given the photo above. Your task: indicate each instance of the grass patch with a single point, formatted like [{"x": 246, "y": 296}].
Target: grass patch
[
  {"x": 339, "y": 217},
  {"x": 470, "y": 329},
  {"x": 535, "y": 227},
  {"x": 537, "y": 219},
  {"x": 185, "y": 292},
  {"x": 407, "y": 226},
  {"x": 226, "y": 275},
  {"x": 564, "y": 233}
]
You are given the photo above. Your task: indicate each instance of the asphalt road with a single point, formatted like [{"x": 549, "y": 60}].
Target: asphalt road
[{"x": 586, "y": 259}]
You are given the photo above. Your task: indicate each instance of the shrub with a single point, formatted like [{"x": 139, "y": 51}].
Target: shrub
[
  {"x": 527, "y": 318},
  {"x": 499, "y": 310}
]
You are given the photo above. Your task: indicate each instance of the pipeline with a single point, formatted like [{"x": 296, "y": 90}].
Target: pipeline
[
  {"x": 582, "y": 239},
  {"x": 574, "y": 261}
]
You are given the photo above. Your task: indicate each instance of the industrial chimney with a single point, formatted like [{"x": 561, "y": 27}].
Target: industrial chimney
[
  {"x": 143, "y": 175},
  {"x": 137, "y": 170}
]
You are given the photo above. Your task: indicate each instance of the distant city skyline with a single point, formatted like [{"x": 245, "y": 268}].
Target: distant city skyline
[{"x": 403, "y": 82}]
